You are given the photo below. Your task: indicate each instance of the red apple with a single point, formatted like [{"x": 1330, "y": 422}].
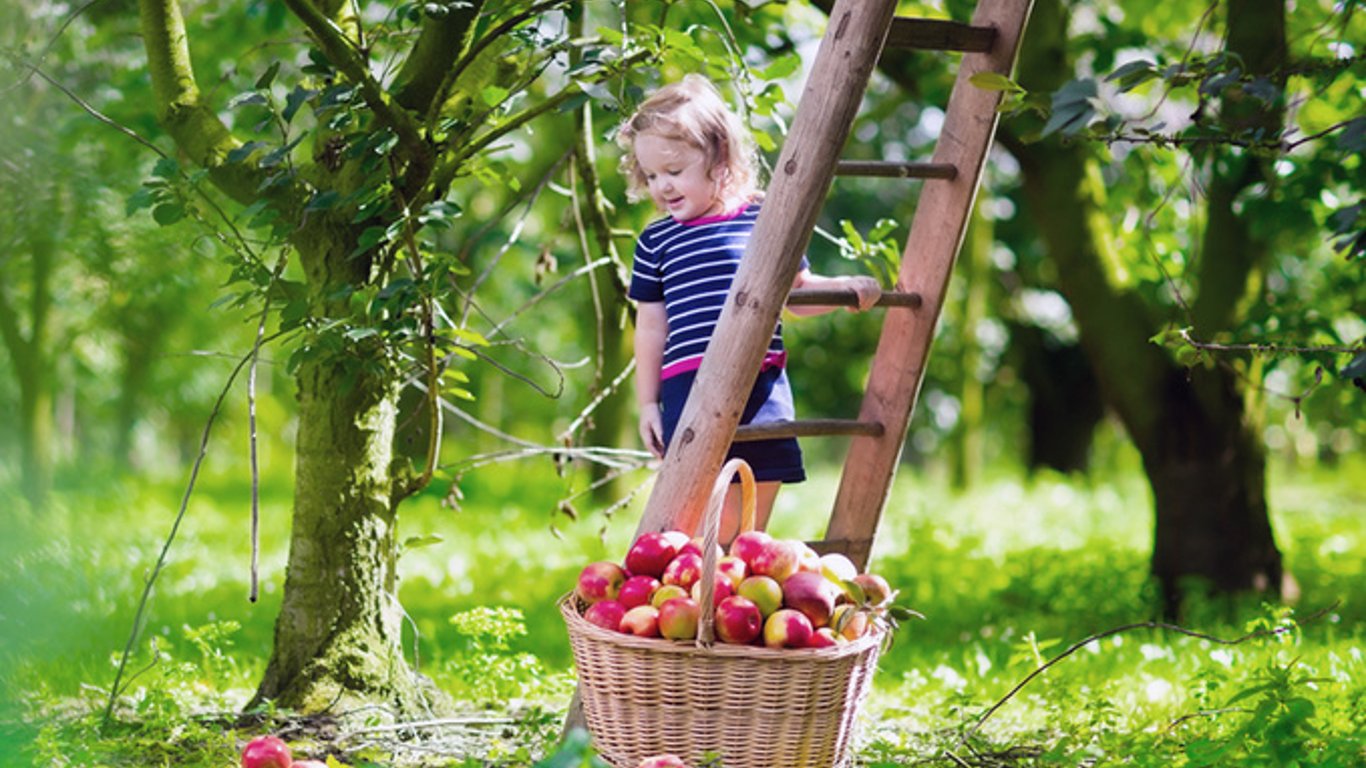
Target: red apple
[
  {"x": 787, "y": 628},
  {"x": 824, "y": 637},
  {"x": 874, "y": 587},
  {"x": 266, "y": 752},
  {"x": 678, "y": 618},
  {"x": 641, "y": 621},
  {"x": 812, "y": 594},
  {"x": 763, "y": 592},
  {"x": 600, "y": 581},
  {"x": 694, "y": 546},
  {"x": 777, "y": 559},
  {"x": 807, "y": 560},
  {"x": 308, "y": 764},
  {"x": 663, "y": 761},
  {"x": 683, "y": 570},
  {"x": 606, "y": 614},
  {"x": 747, "y": 545},
  {"x": 720, "y": 591},
  {"x": 849, "y": 621},
  {"x": 650, "y": 553},
  {"x": 666, "y": 593},
  {"x": 738, "y": 621},
  {"x": 637, "y": 590},
  {"x": 733, "y": 568}
]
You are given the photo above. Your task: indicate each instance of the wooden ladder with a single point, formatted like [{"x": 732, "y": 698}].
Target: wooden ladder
[
  {"x": 857, "y": 34},
  {"x": 855, "y": 37}
]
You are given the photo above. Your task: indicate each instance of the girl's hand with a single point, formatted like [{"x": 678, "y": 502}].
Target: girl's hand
[
  {"x": 652, "y": 429},
  {"x": 868, "y": 290}
]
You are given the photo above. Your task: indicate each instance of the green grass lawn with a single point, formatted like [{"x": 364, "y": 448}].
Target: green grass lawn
[{"x": 1008, "y": 575}]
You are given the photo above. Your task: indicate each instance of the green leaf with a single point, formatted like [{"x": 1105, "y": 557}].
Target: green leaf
[
  {"x": 263, "y": 82},
  {"x": 240, "y": 154},
  {"x": 784, "y": 66},
  {"x": 168, "y": 213},
  {"x": 144, "y": 197},
  {"x": 246, "y": 99},
  {"x": 995, "y": 81},
  {"x": 417, "y": 542},
  {"x": 494, "y": 95}
]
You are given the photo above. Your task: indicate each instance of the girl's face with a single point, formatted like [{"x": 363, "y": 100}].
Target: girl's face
[{"x": 677, "y": 176}]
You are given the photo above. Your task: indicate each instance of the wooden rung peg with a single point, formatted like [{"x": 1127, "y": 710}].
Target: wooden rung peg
[
  {"x": 895, "y": 170},
  {"x": 808, "y": 428},
  {"x": 939, "y": 35},
  {"x": 836, "y": 298}
]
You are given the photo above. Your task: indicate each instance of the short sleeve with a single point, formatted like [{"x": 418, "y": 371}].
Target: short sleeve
[{"x": 647, "y": 282}]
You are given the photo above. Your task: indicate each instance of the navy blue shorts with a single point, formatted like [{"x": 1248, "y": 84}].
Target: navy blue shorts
[{"x": 779, "y": 459}]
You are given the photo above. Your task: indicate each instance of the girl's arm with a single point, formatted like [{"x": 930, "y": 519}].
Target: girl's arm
[
  {"x": 865, "y": 287},
  {"x": 652, "y": 326}
]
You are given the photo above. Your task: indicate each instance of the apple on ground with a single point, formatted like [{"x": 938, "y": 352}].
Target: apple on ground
[
  {"x": 824, "y": 637},
  {"x": 812, "y": 594},
  {"x": 678, "y": 618},
  {"x": 637, "y": 590},
  {"x": 683, "y": 570},
  {"x": 763, "y": 592},
  {"x": 309, "y": 764},
  {"x": 874, "y": 587},
  {"x": 732, "y": 568},
  {"x": 721, "y": 589},
  {"x": 778, "y": 559},
  {"x": 606, "y": 614},
  {"x": 849, "y": 622},
  {"x": 600, "y": 581},
  {"x": 667, "y": 592},
  {"x": 641, "y": 621},
  {"x": 266, "y": 752},
  {"x": 738, "y": 621},
  {"x": 787, "y": 628},
  {"x": 663, "y": 761},
  {"x": 748, "y": 544}
]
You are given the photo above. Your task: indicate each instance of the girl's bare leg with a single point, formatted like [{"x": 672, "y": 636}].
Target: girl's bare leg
[{"x": 764, "y": 495}]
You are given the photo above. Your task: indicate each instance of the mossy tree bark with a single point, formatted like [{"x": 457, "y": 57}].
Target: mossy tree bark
[{"x": 1201, "y": 451}]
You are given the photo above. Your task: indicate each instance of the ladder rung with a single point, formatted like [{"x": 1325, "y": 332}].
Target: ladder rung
[
  {"x": 857, "y": 550},
  {"x": 939, "y": 35},
  {"x": 896, "y": 170},
  {"x": 807, "y": 428},
  {"x": 836, "y": 298}
]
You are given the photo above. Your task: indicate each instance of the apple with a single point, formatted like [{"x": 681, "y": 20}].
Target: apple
[
  {"x": 763, "y": 592},
  {"x": 812, "y": 594},
  {"x": 824, "y": 637},
  {"x": 678, "y": 618},
  {"x": 720, "y": 591},
  {"x": 747, "y": 545},
  {"x": 683, "y": 570},
  {"x": 694, "y": 546},
  {"x": 808, "y": 561},
  {"x": 637, "y": 590},
  {"x": 308, "y": 764},
  {"x": 849, "y": 622},
  {"x": 606, "y": 614},
  {"x": 738, "y": 621},
  {"x": 874, "y": 587},
  {"x": 663, "y": 761},
  {"x": 641, "y": 621},
  {"x": 838, "y": 568},
  {"x": 787, "y": 628},
  {"x": 778, "y": 559},
  {"x": 733, "y": 568},
  {"x": 266, "y": 752},
  {"x": 600, "y": 581},
  {"x": 666, "y": 593},
  {"x": 650, "y": 553}
]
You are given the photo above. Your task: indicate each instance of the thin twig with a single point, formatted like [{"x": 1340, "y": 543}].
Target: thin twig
[{"x": 253, "y": 591}]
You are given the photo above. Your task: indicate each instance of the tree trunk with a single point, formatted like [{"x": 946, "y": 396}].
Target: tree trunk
[{"x": 1203, "y": 460}]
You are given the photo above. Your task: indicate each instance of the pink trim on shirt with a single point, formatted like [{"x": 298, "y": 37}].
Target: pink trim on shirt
[
  {"x": 714, "y": 217},
  {"x": 771, "y": 360}
]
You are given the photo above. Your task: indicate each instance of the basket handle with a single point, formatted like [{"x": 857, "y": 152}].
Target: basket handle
[{"x": 711, "y": 535}]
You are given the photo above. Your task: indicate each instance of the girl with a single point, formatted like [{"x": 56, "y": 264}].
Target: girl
[{"x": 691, "y": 155}]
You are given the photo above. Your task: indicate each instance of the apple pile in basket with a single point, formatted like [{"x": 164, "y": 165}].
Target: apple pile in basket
[{"x": 767, "y": 591}]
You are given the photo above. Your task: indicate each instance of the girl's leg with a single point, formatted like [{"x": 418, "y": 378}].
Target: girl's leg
[{"x": 764, "y": 495}]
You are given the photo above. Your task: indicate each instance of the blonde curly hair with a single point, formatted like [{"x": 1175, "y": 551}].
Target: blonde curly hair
[{"x": 692, "y": 111}]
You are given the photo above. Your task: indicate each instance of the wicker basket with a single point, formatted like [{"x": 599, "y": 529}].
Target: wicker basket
[{"x": 756, "y": 707}]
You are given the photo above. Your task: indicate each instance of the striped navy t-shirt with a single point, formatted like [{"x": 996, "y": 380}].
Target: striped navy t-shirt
[{"x": 689, "y": 266}]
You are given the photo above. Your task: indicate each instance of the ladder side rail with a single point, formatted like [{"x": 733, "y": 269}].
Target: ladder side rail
[
  {"x": 937, "y": 230},
  {"x": 831, "y": 98}
]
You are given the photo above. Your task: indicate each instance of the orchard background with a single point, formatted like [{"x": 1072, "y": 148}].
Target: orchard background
[{"x": 277, "y": 273}]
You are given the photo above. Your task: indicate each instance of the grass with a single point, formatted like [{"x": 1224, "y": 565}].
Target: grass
[{"x": 1008, "y": 575}]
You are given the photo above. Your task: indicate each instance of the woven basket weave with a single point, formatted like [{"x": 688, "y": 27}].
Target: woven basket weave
[{"x": 756, "y": 707}]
